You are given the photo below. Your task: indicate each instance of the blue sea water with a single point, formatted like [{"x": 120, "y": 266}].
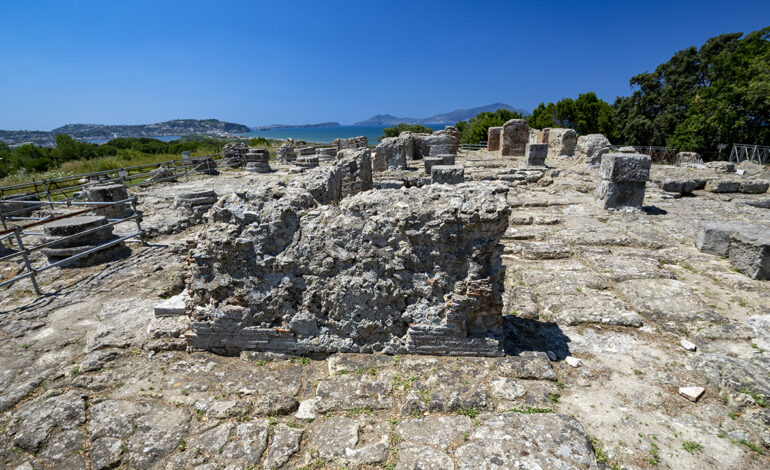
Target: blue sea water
[{"x": 325, "y": 134}]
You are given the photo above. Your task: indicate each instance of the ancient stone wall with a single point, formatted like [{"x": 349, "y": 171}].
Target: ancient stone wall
[
  {"x": 351, "y": 143},
  {"x": 415, "y": 270},
  {"x": 393, "y": 152},
  {"x": 493, "y": 138}
]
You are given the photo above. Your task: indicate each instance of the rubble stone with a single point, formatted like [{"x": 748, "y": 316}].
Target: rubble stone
[
  {"x": 286, "y": 153},
  {"x": 714, "y": 237},
  {"x": 195, "y": 204},
  {"x": 515, "y": 136},
  {"x": 233, "y": 154}
]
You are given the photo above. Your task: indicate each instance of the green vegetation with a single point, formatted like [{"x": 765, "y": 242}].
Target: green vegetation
[
  {"x": 699, "y": 99},
  {"x": 259, "y": 142},
  {"x": 587, "y": 115},
  {"x": 601, "y": 455},
  {"x": 475, "y": 130},
  {"x": 691, "y": 446},
  {"x": 394, "y": 131},
  {"x": 74, "y": 157}
]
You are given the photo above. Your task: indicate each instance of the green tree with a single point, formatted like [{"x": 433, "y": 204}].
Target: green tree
[
  {"x": 394, "y": 131},
  {"x": 475, "y": 130},
  {"x": 587, "y": 115}
]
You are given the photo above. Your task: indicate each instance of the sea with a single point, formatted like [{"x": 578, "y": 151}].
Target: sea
[
  {"x": 325, "y": 134},
  {"x": 307, "y": 134}
]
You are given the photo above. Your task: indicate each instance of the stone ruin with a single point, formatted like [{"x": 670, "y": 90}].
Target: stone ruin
[
  {"x": 20, "y": 209},
  {"x": 327, "y": 154},
  {"x": 257, "y": 161},
  {"x": 535, "y": 154},
  {"x": 590, "y": 149},
  {"x": 205, "y": 165},
  {"x": 514, "y": 137},
  {"x": 322, "y": 264},
  {"x": 110, "y": 192},
  {"x": 447, "y": 174},
  {"x": 688, "y": 158},
  {"x": 493, "y": 138},
  {"x": 561, "y": 142},
  {"x": 71, "y": 226},
  {"x": 360, "y": 142},
  {"x": 286, "y": 153},
  {"x": 195, "y": 204},
  {"x": 430, "y": 162},
  {"x": 747, "y": 246},
  {"x": 233, "y": 154},
  {"x": 392, "y": 153},
  {"x": 305, "y": 163},
  {"x": 623, "y": 177}
]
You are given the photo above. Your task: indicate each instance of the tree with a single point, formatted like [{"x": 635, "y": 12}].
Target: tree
[
  {"x": 587, "y": 115},
  {"x": 394, "y": 131},
  {"x": 475, "y": 130}
]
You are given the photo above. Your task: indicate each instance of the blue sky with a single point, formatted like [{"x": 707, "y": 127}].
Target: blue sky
[{"x": 130, "y": 62}]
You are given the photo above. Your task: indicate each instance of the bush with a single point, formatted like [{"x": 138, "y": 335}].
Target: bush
[
  {"x": 259, "y": 142},
  {"x": 394, "y": 131},
  {"x": 475, "y": 130}
]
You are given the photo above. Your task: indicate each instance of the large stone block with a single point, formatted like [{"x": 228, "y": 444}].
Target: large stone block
[
  {"x": 714, "y": 237},
  {"x": 561, "y": 142},
  {"x": 535, "y": 154},
  {"x": 625, "y": 167},
  {"x": 279, "y": 268},
  {"x": 351, "y": 143},
  {"x": 590, "y": 148},
  {"x": 447, "y": 174},
  {"x": 723, "y": 186},
  {"x": 750, "y": 253},
  {"x": 755, "y": 186},
  {"x": 493, "y": 138},
  {"x": 515, "y": 137},
  {"x": 688, "y": 158},
  {"x": 108, "y": 193},
  {"x": 623, "y": 195},
  {"x": 390, "y": 154}
]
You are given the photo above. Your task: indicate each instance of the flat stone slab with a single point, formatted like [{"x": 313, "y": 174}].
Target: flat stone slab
[
  {"x": 73, "y": 225},
  {"x": 349, "y": 392},
  {"x": 173, "y": 305},
  {"x": 348, "y": 441}
]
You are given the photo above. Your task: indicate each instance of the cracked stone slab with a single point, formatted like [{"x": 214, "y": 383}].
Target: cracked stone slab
[
  {"x": 343, "y": 440},
  {"x": 534, "y": 365},
  {"x": 285, "y": 443},
  {"x": 416, "y": 456},
  {"x": 588, "y": 306},
  {"x": 348, "y": 392},
  {"x": 514, "y": 440},
  {"x": 438, "y": 431}
]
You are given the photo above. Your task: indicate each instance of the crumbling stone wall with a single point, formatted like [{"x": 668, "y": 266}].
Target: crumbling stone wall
[
  {"x": 415, "y": 270},
  {"x": 360, "y": 142},
  {"x": 393, "y": 152}
]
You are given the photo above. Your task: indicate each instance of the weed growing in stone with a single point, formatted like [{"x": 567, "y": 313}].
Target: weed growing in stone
[{"x": 691, "y": 446}]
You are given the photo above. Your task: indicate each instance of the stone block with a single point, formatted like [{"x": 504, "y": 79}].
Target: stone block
[
  {"x": 109, "y": 193},
  {"x": 625, "y": 167},
  {"x": 447, "y": 174},
  {"x": 430, "y": 162},
  {"x": 535, "y": 154},
  {"x": 561, "y": 142},
  {"x": 626, "y": 195},
  {"x": 390, "y": 154},
  {"x": 714, "y": 237},
  {"x": 590, "y": 148},
  {"x": 515, "y": 137},
  {"x": 493, "y": 138},
  {"x": 448, "y": 159},
  {"x": 681, "y": 186},
  {"x": 755, "y": 186},
  {"x": 723, "y": 186},
  {"x": 750, "y": 253},
  {"x": 688, "y": 158}
]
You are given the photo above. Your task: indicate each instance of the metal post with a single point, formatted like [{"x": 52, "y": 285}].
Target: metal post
[
  {"x": 17, "y": 233},
  {"x": 138, "y": 222}
]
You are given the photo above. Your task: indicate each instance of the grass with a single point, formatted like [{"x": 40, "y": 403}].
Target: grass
[
  {"x": 530, "y": 410},
  {"x": 469, "y": 412},
  {"x": 758, "y": 399},
  {"x": 601, "y": 456},
  {"x": 691, "y": 446}
]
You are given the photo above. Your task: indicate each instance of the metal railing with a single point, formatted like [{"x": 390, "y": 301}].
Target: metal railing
[
  {"x": 657, "y": 154},
  {"x": 70, "y": 188},
  {"x": 752, "y": 153},
  {"x": 23, "y": 249}
]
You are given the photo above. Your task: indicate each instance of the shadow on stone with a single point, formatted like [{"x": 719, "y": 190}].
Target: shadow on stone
[
  {"x": 652, "y": 210},
  {"x": 522, "y": 335}
]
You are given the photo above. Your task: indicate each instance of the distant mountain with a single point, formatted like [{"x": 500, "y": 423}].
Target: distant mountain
[
  {"x": 175, "y": 127},
  {"x": 295, "y": 126},
  {"x": 445, "y": 118}
]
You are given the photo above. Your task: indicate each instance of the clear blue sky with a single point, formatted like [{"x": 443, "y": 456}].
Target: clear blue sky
[{"x": 130, "y": 62}]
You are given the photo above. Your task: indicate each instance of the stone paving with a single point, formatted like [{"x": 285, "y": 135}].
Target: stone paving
[{"x": 90, "y": 378}]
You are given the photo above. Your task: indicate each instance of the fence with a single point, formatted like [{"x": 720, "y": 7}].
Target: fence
[
  {"x": 752, "y": 153},
  {"x": 657, "y": 154},
  {"x": 467, "y": 148},
  {"x": 70, "y": 188},
  {"x": 19, "y": 234}
]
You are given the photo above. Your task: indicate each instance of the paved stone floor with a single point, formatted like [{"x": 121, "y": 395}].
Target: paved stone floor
[{"x": 87, "y": 380}]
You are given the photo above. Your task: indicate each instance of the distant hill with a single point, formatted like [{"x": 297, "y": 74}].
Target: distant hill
[
  {"x": 178, "y": 127},
  {"x": 445, "y": 118},
  {"x": 295, "y": 126}
]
